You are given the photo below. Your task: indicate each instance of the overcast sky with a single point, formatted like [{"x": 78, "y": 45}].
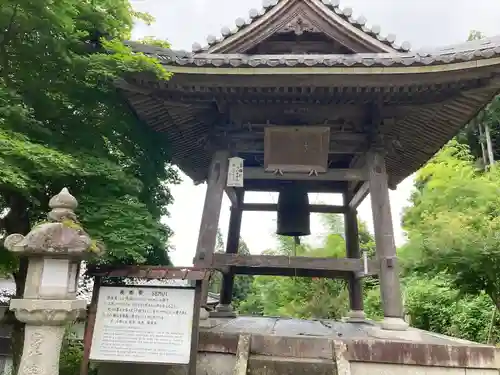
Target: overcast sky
[{"x": 424, "y": 23}]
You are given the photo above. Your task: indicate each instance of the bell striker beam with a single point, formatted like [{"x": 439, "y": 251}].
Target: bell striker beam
[
  {"x": 390, "y": 286},
  {"x": 233, "y": 242},
  {"x": 216, "y": 183},
  {"x": 352, "y": 250}
]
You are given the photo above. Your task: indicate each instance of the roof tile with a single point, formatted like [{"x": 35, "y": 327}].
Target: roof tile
[{"x": 472, "y": 50}]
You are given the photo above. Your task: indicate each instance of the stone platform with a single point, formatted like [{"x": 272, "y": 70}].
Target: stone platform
[{"x": 280, "y": 346}]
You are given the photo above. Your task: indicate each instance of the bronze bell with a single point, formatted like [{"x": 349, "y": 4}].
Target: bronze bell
[{"x": 293, "y": 212}]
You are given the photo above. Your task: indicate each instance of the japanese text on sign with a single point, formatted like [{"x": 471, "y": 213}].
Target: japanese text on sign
[{"x": 143, "y": 324}]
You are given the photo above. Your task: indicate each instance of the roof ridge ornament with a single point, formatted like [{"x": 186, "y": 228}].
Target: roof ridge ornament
[
  {"x": 253, "y": 13},
  {"x": 406, "y": 46},
  {"x": 361, "y": 20},
  {"x": 240, "y": 22},
  {"x": 298, "y": 26},
  {"x": 267, "y": 4},
  {"x": 347, "y": 11}
]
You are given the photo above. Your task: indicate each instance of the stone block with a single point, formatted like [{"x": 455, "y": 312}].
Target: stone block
[
  {"x": 299, "y": 347},
  {"x": 478, "y": 371},
  {"x": 207, "y": 364},
  {"x": 360, "y": 368},
  {"x": 266, "y": 365}
]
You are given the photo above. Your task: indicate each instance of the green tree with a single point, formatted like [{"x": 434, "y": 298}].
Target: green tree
[
  {"x": 432, "y": 303},
  {"x": 64, "y": 124},
  {"x": 484, "y": 128},
  {"x": 72, "y": 356},
  {"x": 450, "y": 260},
  {"x": 215, "y": 282},
  {"x": 454, "y": 224},
  {"x": 242, "y": 283},
  {"x": 305, "y": 297}
]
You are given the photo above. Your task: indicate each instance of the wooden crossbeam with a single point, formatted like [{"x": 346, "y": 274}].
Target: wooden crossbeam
[
  {"x": 291, "y": 272},
  {"x": 257, "y": 147},
  {"x": 279, "y": 265},
  {"x": 151, "y": 272},
  {"x": 255, "y": 173},
  {"x": 318, "y": 208}
]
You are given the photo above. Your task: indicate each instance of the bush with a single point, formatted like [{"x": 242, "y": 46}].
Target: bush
[{"x": 72, "y": 356}]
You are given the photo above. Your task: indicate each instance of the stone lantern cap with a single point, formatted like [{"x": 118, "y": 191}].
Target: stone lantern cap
[{"x": 62, "y": 236}]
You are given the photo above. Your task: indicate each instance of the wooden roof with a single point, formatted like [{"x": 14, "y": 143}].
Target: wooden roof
[{"x": 225, "y": 95}]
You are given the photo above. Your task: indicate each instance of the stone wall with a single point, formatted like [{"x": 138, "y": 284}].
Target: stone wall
[{"x": 241, "y": 354}]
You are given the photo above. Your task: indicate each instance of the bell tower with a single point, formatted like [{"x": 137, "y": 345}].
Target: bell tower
[{"x": 303, "y": 97}]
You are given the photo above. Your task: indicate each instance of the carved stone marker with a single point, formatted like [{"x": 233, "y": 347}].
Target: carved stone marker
[{"x": 55, "y": 250}]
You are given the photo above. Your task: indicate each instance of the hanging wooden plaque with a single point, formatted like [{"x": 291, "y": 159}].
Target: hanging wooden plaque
[{"x": 235, "y": 172}]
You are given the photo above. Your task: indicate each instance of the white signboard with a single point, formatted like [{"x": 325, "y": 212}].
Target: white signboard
[
  {"x": 235, "y": 172},
  {"x": 143, "y": 324}
]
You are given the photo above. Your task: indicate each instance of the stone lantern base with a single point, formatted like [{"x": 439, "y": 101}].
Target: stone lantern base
[{"x": 46, "y": 322}]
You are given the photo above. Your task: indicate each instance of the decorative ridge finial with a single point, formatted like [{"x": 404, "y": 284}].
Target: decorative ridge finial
[
  {"x": 196, "y": 47},
  {"x": 406, "y": 46},
  {"x": 63, "y": 207},
  {"x": 61, "y": 235},
  {"x": 63, "y": 200}
]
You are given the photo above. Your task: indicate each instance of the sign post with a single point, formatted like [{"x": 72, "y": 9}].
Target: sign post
[
  {"x": 154, "y": 324},
  {"x": 195, "y": 328}
]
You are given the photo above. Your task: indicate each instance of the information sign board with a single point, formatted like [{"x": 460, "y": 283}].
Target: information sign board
[{"x": 143, "y": 324}]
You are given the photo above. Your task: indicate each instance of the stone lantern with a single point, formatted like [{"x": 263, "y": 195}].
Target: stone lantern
[{"x": 54, "y": 250}]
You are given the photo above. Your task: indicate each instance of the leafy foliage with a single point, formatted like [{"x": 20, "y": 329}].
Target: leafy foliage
[
  {"x": 453, "y": 226},
  {"x": 488, "y": 117},
  {"x": 72, "y": 356},
  {"x": 64, "y": 124},
  {"x": 305, "y": 297},
  {"x": 432, "y": 303},
  {"x": 242, "y": 283},
  {"x": 433, "y": 299}
]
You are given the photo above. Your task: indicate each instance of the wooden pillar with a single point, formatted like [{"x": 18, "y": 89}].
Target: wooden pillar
[
  {"x": 216, "y": 183},
  {"x": 352, "y": 249},
  {"x": 233, "y": 241},
  {"x": 89, "y": 327},
  {"x": 390, "y": 286}
]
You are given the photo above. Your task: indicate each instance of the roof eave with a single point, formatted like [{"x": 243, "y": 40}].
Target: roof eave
[{"x": 341, "y": 69}]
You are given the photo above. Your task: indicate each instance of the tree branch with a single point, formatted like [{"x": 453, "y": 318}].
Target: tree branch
[{"x": 3, "y": 44}]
